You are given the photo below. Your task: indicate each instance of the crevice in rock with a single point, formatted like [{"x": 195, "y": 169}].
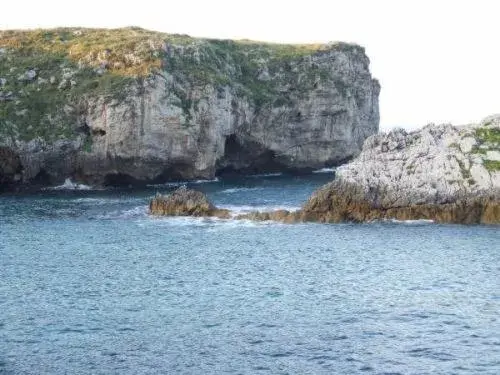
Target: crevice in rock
[{"x": 99, "y": 132}]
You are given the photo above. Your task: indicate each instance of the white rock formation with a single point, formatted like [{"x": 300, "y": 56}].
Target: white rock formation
[{"x": 436, "y": 164}]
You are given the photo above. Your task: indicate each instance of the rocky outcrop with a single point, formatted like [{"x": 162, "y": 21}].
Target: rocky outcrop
[
  {"x": 442, "y": 173},
  {"x": 131, "y": 106},
  {"x": 10, "y": 168},
  {"x": 185, "y": 202}
]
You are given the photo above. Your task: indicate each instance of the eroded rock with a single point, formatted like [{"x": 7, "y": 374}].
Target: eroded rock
[
  {"x": 441, "y": 173},
  {"x": 185, "y": 202},
  {"x": 10, "y": 168}
]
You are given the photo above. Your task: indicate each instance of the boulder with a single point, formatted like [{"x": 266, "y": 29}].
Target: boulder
[{"x": 185, "y": 202}]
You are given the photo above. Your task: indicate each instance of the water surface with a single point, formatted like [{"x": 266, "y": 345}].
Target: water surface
[{"x": 90, "y": 284}]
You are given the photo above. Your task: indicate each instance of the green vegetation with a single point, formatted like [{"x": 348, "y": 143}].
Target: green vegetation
[
  {"x": 47, "y": 74},
  {"x": 465, "y": 172},
  {"x": 488, "y": 140},
  {"x": 492, "y": 165},
  {"x": 489, "y": 135}
]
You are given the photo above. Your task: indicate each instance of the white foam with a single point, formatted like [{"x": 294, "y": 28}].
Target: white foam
[
  {"x": 412, "y": 222},
  {"x": 212, "y": 223},
  {"x": 131, "y": 213},
  {"x": 181, "y": 183},
  {"x": 105, "y": 200},
  {"x": 237, "y": 190},
  {"x": 266, "y": 175},
  {"x": 69, "y": 185},
  {"x": 325, "y": 170},
  {"x": 239, "y": 210}
]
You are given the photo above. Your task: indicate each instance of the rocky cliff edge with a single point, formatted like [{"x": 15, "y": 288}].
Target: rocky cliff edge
[{"x": 132, "y": 106}]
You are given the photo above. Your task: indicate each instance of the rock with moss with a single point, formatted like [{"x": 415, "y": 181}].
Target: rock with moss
[
  {"x": 140, "y": 106},
  {"x": 185, "y": 202},
  {"x": 441, "y": 173}
]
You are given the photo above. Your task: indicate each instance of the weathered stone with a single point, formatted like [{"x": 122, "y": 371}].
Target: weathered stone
[
  {"x": 345, "y": 202},
  {"x": 437, "y": 173},
  {"x": 10, "y": 168},
  {"x": 185, "y": 202}
]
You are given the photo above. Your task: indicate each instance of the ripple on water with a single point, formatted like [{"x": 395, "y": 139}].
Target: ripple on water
[{"x": 92, "y": 284}]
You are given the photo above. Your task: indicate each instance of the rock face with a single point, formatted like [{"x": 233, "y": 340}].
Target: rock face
[
  {"x": 185, "y": 202},
  {"x": 443, "y": 173},
  {"x": 10, "y": 168},
  {"x": 158, "y": 107}
]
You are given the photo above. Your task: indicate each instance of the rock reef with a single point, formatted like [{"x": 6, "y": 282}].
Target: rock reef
[{"x": 131, "y": 106}]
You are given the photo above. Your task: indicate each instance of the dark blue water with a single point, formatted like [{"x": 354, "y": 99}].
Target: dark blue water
[{"x": 91, "y": 285}]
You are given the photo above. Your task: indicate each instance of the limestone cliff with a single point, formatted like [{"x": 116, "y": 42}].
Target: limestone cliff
[
  {"x": 133, "y": 106},
  {"x": 442, "y": 173}
]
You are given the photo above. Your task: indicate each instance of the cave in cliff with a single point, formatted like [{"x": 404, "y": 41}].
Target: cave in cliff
[{"x": 243, "y": 156}]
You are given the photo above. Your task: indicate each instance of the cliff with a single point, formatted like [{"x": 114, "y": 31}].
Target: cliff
[
  {"x": 133, "y": 106},
  {"x": 442, "y": 173}
]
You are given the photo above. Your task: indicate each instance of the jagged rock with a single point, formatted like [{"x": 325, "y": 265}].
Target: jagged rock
[
  {"x": 284, "y": 216},
  {"x": 27, "y": 76},
  {"x": 442, "y": 173},
  {"x": 6, "y": 96},
  {"x": 185, "y": 202},
  {"x": 345, "y": 202}
]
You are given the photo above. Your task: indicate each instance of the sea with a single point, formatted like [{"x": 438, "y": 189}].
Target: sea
[{"x": 90, "y": 283}]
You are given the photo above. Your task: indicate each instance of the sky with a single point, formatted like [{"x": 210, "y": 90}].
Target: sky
[{"x": 437, "y": 60}]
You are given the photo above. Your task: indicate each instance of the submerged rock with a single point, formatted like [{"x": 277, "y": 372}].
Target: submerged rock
[{"x": 185, "y": 202}]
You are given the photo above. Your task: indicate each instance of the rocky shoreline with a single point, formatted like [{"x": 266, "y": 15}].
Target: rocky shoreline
[{"x": 441, "y": 173}]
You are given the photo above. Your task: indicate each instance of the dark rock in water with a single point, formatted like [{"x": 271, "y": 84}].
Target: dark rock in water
[
  {"x": 278, "y": 215},
  {"x": 185, "y": 202},
  {"x": 345, "y": 202},
  {"x": 10, "y": 168}
]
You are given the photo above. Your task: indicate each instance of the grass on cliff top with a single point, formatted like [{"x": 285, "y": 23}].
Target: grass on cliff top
[
  {"x": 40, "y": 108},
  {"x": 136, "y": 51}
]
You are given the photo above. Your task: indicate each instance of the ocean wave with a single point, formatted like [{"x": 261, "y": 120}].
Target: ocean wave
[
  {"x": 237, "y": 190},
  {"x": 181, "y": 183},
  {"x": 265, "y": 175},
  {"x": 244, "y": 209},
  {"x": 131, "y": 213},
  {"x": 104, "y": 200},
  {"x": 69, "y": 185},
  {"x": 411, "y": 222},
  {"x": 213, "y": 223},
  {"x": 325, "y": 170}
]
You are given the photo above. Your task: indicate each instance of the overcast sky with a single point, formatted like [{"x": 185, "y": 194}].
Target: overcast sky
[{"x": 437, "y": 60}]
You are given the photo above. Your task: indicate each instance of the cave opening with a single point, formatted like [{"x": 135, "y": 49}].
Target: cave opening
[
  {"x": 120, "y": 179},
  {"x": 246, "y": 157}
]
